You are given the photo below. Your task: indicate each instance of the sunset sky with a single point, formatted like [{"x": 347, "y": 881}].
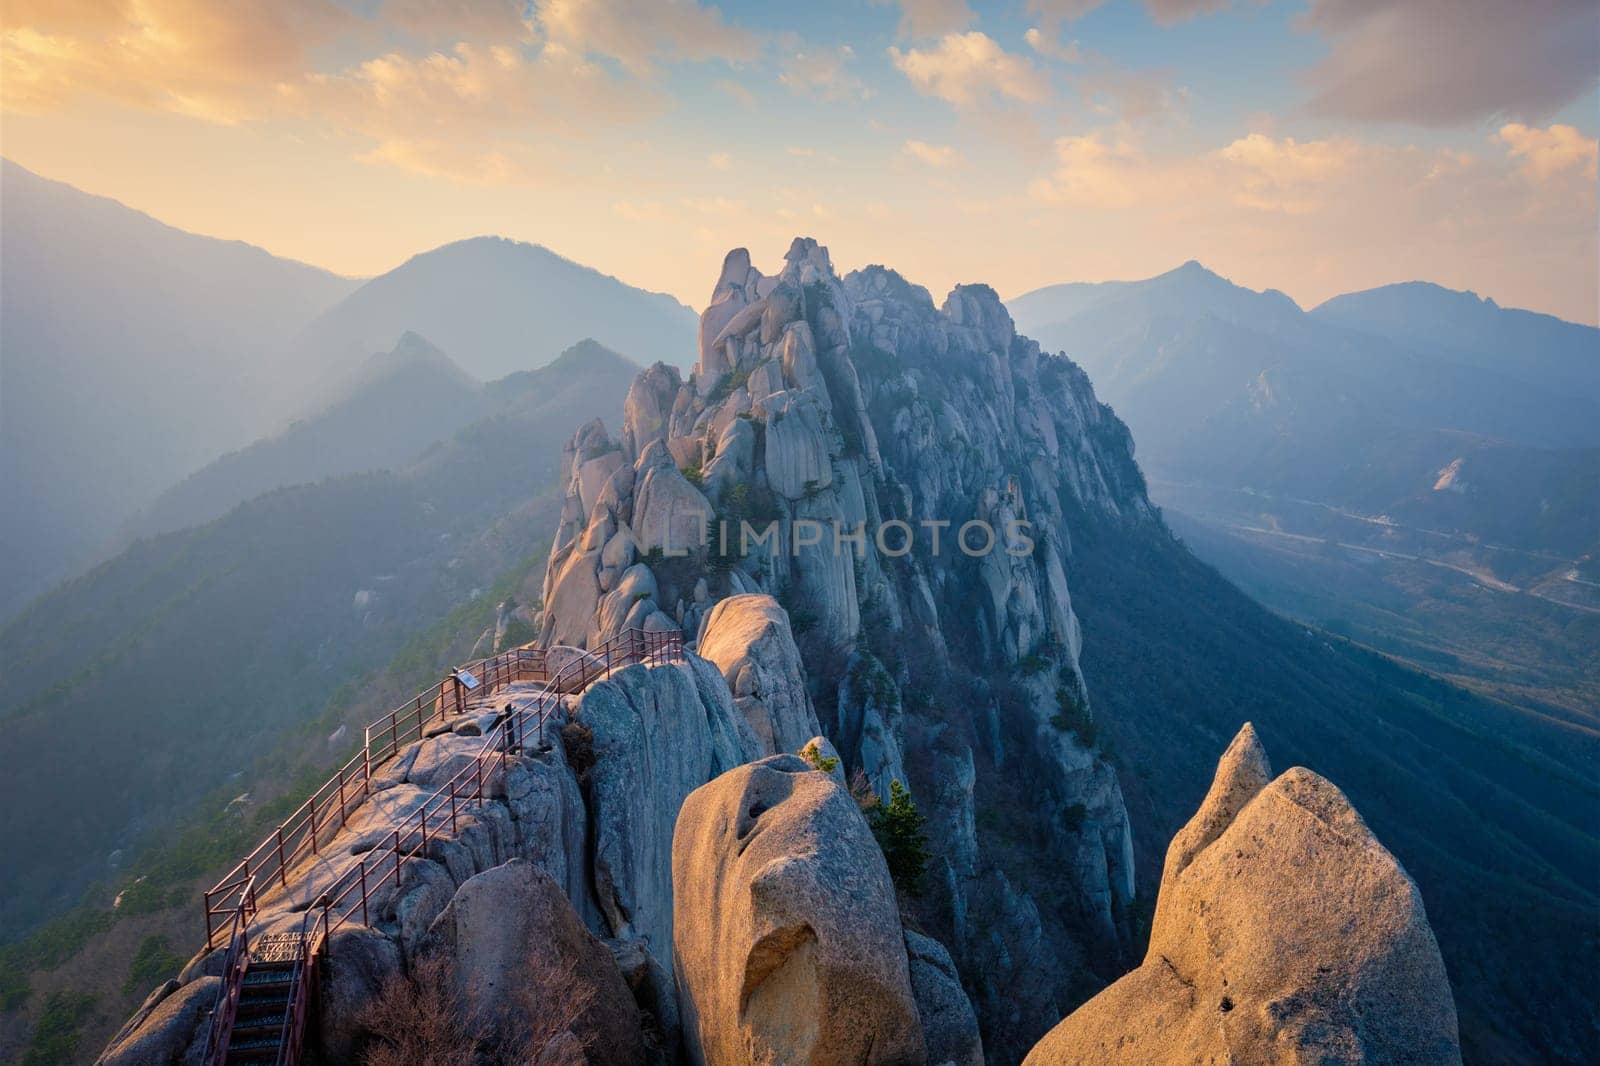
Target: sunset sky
[{"x": 1313, "y": 147}]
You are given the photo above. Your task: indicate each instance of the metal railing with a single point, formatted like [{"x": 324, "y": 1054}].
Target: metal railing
[
  {"x": 352, "y": 892},
  {"x": 318, "y": 820}
]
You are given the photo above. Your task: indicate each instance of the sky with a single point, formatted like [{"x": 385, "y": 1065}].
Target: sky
[{"x": 1316, "y": 147}]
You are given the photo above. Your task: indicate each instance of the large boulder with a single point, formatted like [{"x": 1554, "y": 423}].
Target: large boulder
[
  {"x": 171, "y": 1027},
  {"x": 519, "y": 957},
  {"x": 949, "y": 1026},
  {"x": 1284, "y": 933},
  {"x": 787, "y": 936},
  {"x": 749, "y": 639},
  {"x": 658, "y": 733}
]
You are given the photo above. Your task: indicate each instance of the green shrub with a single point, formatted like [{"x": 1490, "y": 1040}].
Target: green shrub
[
  {"x": 55, "y": 1036},
  {"x": 825, "y": 763},
  {"x": 1073, "y": 716},
  {"x": 152, "y": 963},
  {"x": 898, "y": 827}
]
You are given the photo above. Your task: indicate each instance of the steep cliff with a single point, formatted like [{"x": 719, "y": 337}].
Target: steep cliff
[{"x": 899, "y": 476}]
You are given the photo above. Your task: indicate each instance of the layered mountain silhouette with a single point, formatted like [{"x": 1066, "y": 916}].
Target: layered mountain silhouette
[
  {"x": 400, "y": 404},
  {"x": 492, "y": 301},
  {"x": 1364, "y": 403},
  {"x": 136, "y": 353},
  {"x": 133, "y": 353}
]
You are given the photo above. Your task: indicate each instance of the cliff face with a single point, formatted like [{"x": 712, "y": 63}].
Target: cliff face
[{"x": 941, "y": 656}]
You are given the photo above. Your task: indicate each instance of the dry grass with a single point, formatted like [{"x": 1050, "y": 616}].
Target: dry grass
[{"x": 418, "y": 1019}]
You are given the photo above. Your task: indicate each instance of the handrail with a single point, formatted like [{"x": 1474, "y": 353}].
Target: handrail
[
  {"x": 234, "y": 966},
  {"x": 328, "y": 808}
]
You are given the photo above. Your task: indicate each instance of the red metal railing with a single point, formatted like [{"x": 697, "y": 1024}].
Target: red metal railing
[
  {"x": 234, "y": 966},
  {"x": 304, "y": 832},
  {"x": 328, "y": 809}
]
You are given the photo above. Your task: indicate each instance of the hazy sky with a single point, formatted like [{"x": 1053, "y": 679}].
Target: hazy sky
[{"x": 1313, "y": 147}]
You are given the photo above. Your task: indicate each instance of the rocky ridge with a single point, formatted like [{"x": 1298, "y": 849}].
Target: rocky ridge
[{"x": 856, "y": 404}]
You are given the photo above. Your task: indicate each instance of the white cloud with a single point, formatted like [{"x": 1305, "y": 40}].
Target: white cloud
[
  {"x": 1546, "y": 153},
  {"x": 940, "y": 156},
  {"x": 966, "y": 69}
]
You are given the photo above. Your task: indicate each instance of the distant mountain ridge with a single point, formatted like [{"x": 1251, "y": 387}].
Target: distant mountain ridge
[
  {"x": 1536, "y": 348},
  {"x": 490, "y": 301},
  {"x": 399, "y": 404},
  {"x": 133, "y": 352},
  {"x": 1360, "y": 403},
  {"x": 136, "y": 353}
]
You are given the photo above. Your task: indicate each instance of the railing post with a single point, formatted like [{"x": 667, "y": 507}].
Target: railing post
[
  {"x": 362, "y": 867},
  {"x": 313, "y": 803},
  {"x": 283, "y": 869}
]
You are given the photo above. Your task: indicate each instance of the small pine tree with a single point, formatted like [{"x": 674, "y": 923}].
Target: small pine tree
[{"x": 898, "y": 826}]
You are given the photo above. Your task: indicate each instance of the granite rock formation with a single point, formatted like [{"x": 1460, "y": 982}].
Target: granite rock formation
[
  {"x": 834, "y": 440},
  {"x": 1284, "y": 932},
  {"x": 788, "y": 937}
]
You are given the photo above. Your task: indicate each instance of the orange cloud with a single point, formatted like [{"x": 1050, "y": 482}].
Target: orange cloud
[
  {"x": 212, "y": 61},
  {"x": 1548, "y": 152}
]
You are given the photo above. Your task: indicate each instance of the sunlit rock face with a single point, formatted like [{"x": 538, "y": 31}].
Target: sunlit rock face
[
  {"x": 1284, "y": 932},
  {"x": 788, "y": 940},
  {"x": 856, "y": 403}
]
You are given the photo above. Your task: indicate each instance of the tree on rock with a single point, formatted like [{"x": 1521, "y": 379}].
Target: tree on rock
[{"x": 898, "y": 825}]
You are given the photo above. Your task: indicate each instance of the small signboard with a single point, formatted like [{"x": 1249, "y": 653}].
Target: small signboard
[{"x": 468, "y": 681}]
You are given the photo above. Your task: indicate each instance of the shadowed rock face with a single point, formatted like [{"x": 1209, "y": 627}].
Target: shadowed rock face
[
  {"x": 1284, "y": 933},
  {"x": 788, "y": 940}
]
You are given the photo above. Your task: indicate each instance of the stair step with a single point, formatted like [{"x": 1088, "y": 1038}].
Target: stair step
[
  {"x": 256, "y": 976},
  {"x": 256, "y": 1023},
  {"x": 253, "y": 1045},
  {"x": 253, "y": 1007}
]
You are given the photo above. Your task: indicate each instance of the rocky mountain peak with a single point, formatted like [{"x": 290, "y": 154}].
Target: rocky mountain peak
[{"x": 939, "y": 643}]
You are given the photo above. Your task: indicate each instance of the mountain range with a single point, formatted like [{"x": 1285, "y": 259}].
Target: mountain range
[
  {"x": 1366, "y": 402},
  {"x": 191, "y": 653},
  {"x": 136, "y": 353}
]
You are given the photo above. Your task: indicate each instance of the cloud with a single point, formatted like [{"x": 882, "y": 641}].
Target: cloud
[
  {"x": 940, "y": 156},
  {"x": 1546, "y": 153},
  {"x": 719, "y": 161},
  {"x": 821, "y": 72},
  {"x": 1164, "y": 12},
  {"x": 1324, "y": 215},
  {"x": 966, "y": 69},
  {"x": 202, "y": 59},
  {"x": 1128, "y": 95},
  {"x": 1047, "y": 46},
  {"x": 636, "y": 34},
  {"x": 1448, "y": 62},
  {"x": 474, "y": 113},
  {"x": 922, "y": 19}
]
